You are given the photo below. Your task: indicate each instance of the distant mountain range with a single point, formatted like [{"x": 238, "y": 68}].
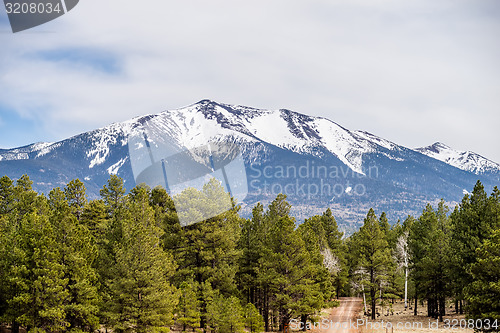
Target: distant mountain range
[{"x": 317, "y": 162}]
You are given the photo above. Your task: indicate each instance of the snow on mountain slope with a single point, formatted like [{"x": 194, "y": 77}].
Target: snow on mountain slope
[
  {"x": 464, "y": 160},
  {"x": 206, "y": 121},
  {"x": 23, "y": 153},
  {"x": 404, "y": 182},
  {"x": 297, "y": 132}
]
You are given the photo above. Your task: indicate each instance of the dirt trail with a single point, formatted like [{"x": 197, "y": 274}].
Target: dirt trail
[{"x": 345, "y": 314}]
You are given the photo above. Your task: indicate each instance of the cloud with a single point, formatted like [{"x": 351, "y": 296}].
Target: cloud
[{"x": 414, "y": 72}]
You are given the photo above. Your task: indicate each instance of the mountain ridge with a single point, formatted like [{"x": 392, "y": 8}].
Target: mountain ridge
[
  {"x": 465, "y": 160},
  {"x": 405, "y": 179}
]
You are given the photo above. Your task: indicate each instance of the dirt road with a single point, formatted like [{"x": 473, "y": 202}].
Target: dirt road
[{"x": 345, "y": 314}]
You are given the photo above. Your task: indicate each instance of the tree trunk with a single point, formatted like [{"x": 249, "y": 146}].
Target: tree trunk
[
  {"x": 364, "y": 298},
  {"x": 373, "y": 293},
  {"x": 284, "y": 325},
  {"x": 15, "y": 327},
  {"x": 373, "y": 301},
  {"x": 266, "y": 310},
  {"x": 442, "y": 308},
  {"x": 406, "y": 288},
  {"x": 303, "y": 319},
  {"x": 416, "y": 305}
]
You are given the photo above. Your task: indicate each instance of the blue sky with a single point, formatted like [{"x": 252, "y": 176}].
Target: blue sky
[{"x": 414, "y": 72}]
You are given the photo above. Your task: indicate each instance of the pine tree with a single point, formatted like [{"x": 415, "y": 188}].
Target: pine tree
[
  {"x": 36, "y": 277},
  {"x": 471, "y": 222},
  {"x": 95, "y": 218},
  {"x": 483, "y": 294},
  {"x": 113, "y": 193},
  {"x": 4, "y": 265},
  {"x": 374, "y": 256},
  {"x": 6, "y": 195},
  {"x": 206, "y": 251},
  {"x": 253, "y": 319},
  {"x": 286, "y": 269},
  {"x": 142, "y": 297},
  {"x": 78, "y": 251},
  {"x": 188, "y": 309},
  {"x": 224, "y": 314},
  {"x": 75, "y": 193},
  {"x": 430, "y": 251},
  {"x": 323, "y": 266}
]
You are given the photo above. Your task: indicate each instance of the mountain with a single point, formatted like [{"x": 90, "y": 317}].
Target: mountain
[
  {"x": 313, "y": 160},
  {"x": 465, "y": 160}
]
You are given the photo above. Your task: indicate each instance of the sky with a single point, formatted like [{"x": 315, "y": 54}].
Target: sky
[{"x": 413, "y": 72}]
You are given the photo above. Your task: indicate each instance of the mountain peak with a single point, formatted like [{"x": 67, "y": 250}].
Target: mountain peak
[
  {"x": 436, "y": 147},
  {"x": 205, "y": 101},
  {"x": 465, "y": 160}
]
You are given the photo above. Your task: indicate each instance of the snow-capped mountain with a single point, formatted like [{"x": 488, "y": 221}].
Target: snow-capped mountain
[
  {"x": 465, "y": 160},
  {"x": 313, "y": 160}
]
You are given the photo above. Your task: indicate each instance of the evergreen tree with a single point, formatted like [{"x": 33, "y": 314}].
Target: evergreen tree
[
  {"x": 253, "y": 319},
  {"x": 36, "y": 277},
  {"x": 113, "y": 193},
  {"x": 108, "y": 238},
  {"x": 6, "y": 195},
  {"x": 483, "y": 294},
  {"x": 142, "y": 297},
  {"x": 78, "y": 253},
  {"x": 471, "y": 223},
  {"x": 225, "y": 314},
  {"x": 188, "y": 309},
  {"x": 374, "y": 256},
  {"x": 95, "y": 218},
  {"x": 286, "y": 268},
  {"x": 76, "y": 197},
  {"x": 4, "y": 265},
  {"x": 429, "y": 247},
  {"x": 324, "y": 266},
  {"x": 207, "y": 251}
]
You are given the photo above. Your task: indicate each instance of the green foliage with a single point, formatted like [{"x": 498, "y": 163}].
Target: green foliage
[
  {"x": 76, "y": 197},
  {"x": 113, "y": 193},
  {"x": 68, "y": 264},
  {"x": 286, "y": 268},
  {"x": 78, "y": 252},
  {"x": 253, "y": 319},
  {"x": 429, "y": 244},
  {"x": 483, "y": 294},
  {"x": 188, "y": 309},
  {"x": 374, "y": 256},
  {"x": 142, "y": 299},
  {"x": 36, "y": 278},
  {"x": 225, "y": 315},
  {"x": 471, "y": 223}
]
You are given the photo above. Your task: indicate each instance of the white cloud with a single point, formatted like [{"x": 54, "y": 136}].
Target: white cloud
[{"x": 414, "y": 72}]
